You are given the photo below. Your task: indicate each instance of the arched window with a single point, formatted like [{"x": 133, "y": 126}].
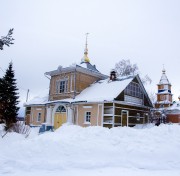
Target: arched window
[{"x": 61, "y": 109}]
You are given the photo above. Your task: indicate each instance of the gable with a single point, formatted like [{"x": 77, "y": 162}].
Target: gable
[{"x": 135, "y": 93}]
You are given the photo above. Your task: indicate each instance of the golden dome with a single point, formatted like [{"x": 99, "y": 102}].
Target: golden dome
[{"x": 85, "y": 59}]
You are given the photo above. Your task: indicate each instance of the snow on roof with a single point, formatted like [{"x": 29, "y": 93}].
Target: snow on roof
[
  {"x": 88, "y": 65},
  {"x": 175, "y": 106},
  {"x": 103, "y": 90},
  {"x": 164, "y": 79},
  {"x": 40, "y": 99},
  {"x": 37, "y": 101},
  {"x": 164, "y": 102},
  {"x": 164, "y": 92}
]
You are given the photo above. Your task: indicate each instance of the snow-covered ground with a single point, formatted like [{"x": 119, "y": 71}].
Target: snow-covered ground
[{"x": 72, "y": 150}]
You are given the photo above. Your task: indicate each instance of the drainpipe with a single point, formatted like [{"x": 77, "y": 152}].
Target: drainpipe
[
  {"x": 72, "y": 115},
  {"x": 74, "y": 83},
  {"x": 49, "y": 85}
]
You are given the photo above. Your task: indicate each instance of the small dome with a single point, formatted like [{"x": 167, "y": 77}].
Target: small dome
[
  {"x": 164, "y": 71},
  {"x": 85, "y": 59},
  {"x": 164, "y": 79}
]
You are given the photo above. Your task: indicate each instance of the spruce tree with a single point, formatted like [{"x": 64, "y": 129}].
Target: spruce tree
[
  {"x": 1, "y": 97},
  {"x": 9, "y": 98},
  {"x": 6, "y": 40}
]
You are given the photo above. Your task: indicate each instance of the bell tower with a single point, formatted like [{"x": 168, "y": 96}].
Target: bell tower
[{"x": 164, "y": 95}]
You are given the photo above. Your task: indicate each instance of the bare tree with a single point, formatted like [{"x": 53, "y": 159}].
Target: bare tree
[
  {"x": 146, "y": 79},
  {"x": 6, "y": 40},
  {"x": 125, "y": 68},
  {"x": 152, "y": 96}
]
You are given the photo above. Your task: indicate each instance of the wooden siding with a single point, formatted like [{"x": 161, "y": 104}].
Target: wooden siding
[
  {"x": 113, "y": 113},
  {"x": 57, "y": 96},
  {"x": 76, "y": 83},
  {"x": 173, "y": 118},
  {"x": 95, "y": 116},
  {"x": 162, "y": 86},
  {"x": 83, "y": 81},
  {"x": 34, "y": 114}
]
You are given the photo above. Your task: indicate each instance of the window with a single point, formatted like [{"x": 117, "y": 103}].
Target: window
[
  {"x": 28, "y": 110},
  {"x": 62, "y": 86},
  {"x": 165, "y": 86},
  {"x": 61, "y": 109},
  {"x": 87, "y": 116},
  {"x": 39, "y": 117},
  {"x": 134, "y": 90},
  {"x": 162, "y": 97},
  {"x": 133, "y": 100}
]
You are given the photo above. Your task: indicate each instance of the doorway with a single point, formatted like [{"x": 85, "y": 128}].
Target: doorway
[
  {"x": 60, "y": 116},
  {"x": 124, "y": 118}
]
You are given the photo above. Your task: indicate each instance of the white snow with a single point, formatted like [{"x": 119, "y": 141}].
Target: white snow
[
  {"x": 104, "y": 90},
  {"x": 175, "y": 106},
  {"x": 164, "y": 92},
  {"x": 72, "y": 150},
  {"x": 41, "y": 98},
  {"x": 164, "y": 79},
  {"x": 38, "y": 100},
  {"x": 164, "y": 102}
]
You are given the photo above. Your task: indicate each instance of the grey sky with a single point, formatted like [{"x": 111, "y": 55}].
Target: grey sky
[{"x": 49, "y": 33}]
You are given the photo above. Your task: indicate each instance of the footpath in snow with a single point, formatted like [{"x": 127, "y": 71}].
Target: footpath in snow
[{"x": 73, "y": 150}]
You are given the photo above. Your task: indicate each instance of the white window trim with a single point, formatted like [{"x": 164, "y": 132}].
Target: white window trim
[
  {"x": 71, "y": 83},
  {"x": 38, "y": 116},
  {"x": 87, "y": 122},
  {"x": 133, "y": 100},
  {"x": 38, "y": 109},
  {"x": 87, "y": 107},
  {"x": 66, "y": 79}
]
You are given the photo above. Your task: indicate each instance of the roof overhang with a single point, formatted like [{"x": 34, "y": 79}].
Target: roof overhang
[{"x": 76, "y": 68}]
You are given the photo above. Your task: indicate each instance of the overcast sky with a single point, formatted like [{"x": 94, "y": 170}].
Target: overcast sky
[{"x": 49, "y": 33}]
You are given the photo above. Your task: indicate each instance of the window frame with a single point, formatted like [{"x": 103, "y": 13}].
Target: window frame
[
  {"x": 87, "y": 117},
  {"x": 62, "y": 86},
  {"x": 134, "y": 90},
  {"x": 39, "y": 116}
]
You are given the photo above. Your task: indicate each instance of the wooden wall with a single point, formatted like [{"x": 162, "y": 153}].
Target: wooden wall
[
  {"x": 31, "y": 115},
  {"x": 173, "y": 118},
  {"x": 74, "y": 87}
]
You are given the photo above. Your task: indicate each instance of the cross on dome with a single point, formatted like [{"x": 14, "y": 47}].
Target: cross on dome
[
  {"x": 86, "y": 59},
  {"x": 164, "y": 79}
]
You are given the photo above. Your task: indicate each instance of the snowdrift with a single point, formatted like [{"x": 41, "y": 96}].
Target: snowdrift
[{"x": 75, "y": 148}]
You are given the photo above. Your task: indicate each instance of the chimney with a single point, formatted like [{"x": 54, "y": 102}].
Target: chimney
[{"x": 113, "y": 75}]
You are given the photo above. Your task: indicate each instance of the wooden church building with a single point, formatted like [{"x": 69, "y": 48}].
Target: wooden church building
[
  {"x": 164, "y": 106},
  {"x": 164, "y": 95},
  {"x": 81, "y": 95}
]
